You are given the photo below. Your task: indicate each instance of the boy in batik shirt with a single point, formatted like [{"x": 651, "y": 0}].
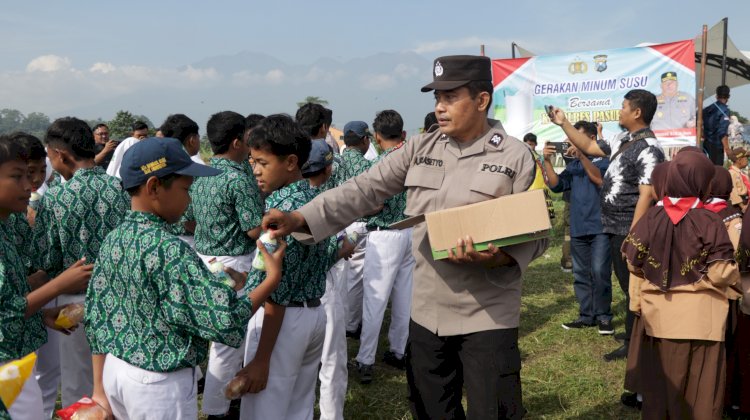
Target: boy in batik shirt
[
  {"x": 22, "y": 318},
  {"x": 227, "y": 210},
  {"x": 152, "y": 304},
  {"x": 288, "y": 333},
  {"x": 72, "y": 221}
]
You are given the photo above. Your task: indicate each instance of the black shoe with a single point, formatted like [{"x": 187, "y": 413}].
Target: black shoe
[
  {"x": 232, "y": 414},
  {"x": 605, "y": 327},
  {"x": 577, "y": 324},
  {"x": 630, "y": 399},
  {"x": 355, "y": 334},
  {"x": 365, "y": 373},
  {"x": 201, "y": 384},
  {"x": 621, "y": 337},
  {"x": 620, "y": 353},
  {"x": 390, "y": 358}
]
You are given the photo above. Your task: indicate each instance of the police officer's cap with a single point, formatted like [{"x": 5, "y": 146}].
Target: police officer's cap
[
  {"x": 453, "y": 71},
  {"x": 670, "y": 75}
]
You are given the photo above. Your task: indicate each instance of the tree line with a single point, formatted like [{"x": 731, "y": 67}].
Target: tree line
[{"x": 36, "y": 123}]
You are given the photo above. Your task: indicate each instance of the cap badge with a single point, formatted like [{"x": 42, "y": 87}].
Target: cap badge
[
  {"x": 438, "y": 69},
  {"x": 496, "y": 139}
]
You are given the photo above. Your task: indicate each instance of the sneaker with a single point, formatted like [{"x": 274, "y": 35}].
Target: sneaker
[
  {"x": 620, "y": 337},
  {"x": 605, "y": 327},
  {"x": 390, "y": 358},
  {"x": 365, "y": 373},
  {"x": 620, "y": 353},
  {"x": 630, "y": 399},
  {"x": 566, "y": 269},
  {"x": 577, "y": 324}
]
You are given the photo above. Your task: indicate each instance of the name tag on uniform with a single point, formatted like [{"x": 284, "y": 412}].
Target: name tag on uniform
[
  {"x": 496, "y": 168},
  {"x": 428, "y": 161}
]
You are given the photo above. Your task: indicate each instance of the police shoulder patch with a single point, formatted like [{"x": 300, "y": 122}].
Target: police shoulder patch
[{"x": 496, "y": 139}]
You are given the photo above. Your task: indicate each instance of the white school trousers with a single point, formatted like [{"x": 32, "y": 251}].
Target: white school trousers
[
  {"x": 135, "y": 393},
  {"x": 354, "y": 277},
  {"x": 388, "y": 268},
  {"x": 333, "y": 373},
  {"x": 76, "y": 372},
  {"x": 290, "y": 390},
  {"x": 47, "y": 370},
  {"x": 223, "y": 361}
]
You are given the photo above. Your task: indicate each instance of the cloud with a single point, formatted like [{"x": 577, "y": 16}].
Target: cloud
[
  {"x": 48, "y": 63},
  {"x": 377, "y": 81},
  {"x": 102, "y": 68},
  {"x": 275, "y": 76},
  {"x": 467, "y": 45}
]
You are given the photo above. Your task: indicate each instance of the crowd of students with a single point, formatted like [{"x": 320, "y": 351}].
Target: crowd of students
[{"x": 140, "y": 252}]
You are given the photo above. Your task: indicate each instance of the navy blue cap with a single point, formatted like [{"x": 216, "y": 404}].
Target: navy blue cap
[
  {"x": 321, "y": 155},
  {"x": 358, "y": 127},
  {"x": 158, "y": 157}
]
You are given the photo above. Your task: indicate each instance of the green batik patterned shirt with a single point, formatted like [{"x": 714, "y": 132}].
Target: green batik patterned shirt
[
  {"x": 304, "y": 269},
  {"x": 18, "y": 336},
  {"x": 393, "y": 208},
  {"x": 153, "y": 303},
  {"x": 74, "y": 218},
  {"x": 353, "y": 163},
  {"x": 225, "y": 207},
  {"x": 21, "y": 234}
]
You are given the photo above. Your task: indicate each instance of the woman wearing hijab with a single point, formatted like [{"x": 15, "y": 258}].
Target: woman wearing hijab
[
  {"x": 684, "y": 259},
  {"x": 739, "y": 387}
]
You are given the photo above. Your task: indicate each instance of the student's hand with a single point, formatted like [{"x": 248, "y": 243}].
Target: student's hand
[
  {"x": 30, "y": 216},
  {"x": 76, "y": 278},
  {"x": 548, "y": 151},
  {"x": 281, "y": 224},
  {"x": 347, "y": 249},
  {"x": 256, "y": 376},
  {"x": 49, "y": 316},
  {"x": 466, "y": 254},
  {"x": 99, "y": 397},
  {"x": 274, "y": 262},
  {"x": 239, "y": 278},
  {"x": 557, "y": 116}
]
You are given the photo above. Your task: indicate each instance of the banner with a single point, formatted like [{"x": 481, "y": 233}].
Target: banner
[{"x": 591, "y": 85}]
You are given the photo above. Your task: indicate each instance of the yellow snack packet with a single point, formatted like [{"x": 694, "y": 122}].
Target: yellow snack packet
[
  {"x": 70, "y": 316},
  {"x": 12, "y": 377}
]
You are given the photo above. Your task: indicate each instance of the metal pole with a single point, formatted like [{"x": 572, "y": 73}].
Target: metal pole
[
  {"x": 481, "y": 50},
  {"x": 701, "y": 86},
  {"x": 513, "y": 49},
  {"x": 724, "y": 54}
]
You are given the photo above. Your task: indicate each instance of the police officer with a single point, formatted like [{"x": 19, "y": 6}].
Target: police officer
[
  {"x": 716, "y": 127},
  {"x": 465, "y": 311},
  {"x": 674, "y": 108}
]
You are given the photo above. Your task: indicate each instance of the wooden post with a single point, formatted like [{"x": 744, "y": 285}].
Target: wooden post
[{"x": 701, "y": 87}]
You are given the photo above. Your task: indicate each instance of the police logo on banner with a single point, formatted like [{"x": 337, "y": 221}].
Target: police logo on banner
[{"x": 601, "y": 62}]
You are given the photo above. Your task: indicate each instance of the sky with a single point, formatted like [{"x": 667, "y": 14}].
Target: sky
[{"x": 91, "y": 58}]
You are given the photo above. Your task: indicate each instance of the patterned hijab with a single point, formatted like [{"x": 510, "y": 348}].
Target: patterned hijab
[{"x": 674, "y": 243}]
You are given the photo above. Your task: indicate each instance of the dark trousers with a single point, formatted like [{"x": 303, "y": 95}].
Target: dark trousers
[
  {"x": 487, "y": 363},
  {"x": 592, "y": 277},
  {"x": 623, "y": 276},
  {"x": 715, "y": 152}
]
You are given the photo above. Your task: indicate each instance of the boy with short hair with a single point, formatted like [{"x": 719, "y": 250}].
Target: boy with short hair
[
  {"x": 152, "y": 305},
  {"x": 288, "y": 333},
  {"x": 388, "y": 265},
  {"x": 72, "y": 221},
  {"x": 182, "y": 128},
  {"x": 22, "y": 318},
  {"x": 353, "y": 163},
  {"x": 227, "y": 210}
]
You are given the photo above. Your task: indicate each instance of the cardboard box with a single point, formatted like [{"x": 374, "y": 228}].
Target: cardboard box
[{"x": 508, "y": 220}]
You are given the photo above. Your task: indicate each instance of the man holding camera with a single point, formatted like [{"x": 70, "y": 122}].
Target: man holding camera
[{"x": 589, "y": 246}]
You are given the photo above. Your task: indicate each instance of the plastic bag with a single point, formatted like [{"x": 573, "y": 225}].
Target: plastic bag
[
  {"x": 233, "y": 389},
  {"x": 70, "y": 316},
  {"x": 12, "y": 377},
  {"x": 83, "y": 409}
]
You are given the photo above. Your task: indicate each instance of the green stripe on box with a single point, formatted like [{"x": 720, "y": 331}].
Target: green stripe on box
[{"x": 512, "y": 240}]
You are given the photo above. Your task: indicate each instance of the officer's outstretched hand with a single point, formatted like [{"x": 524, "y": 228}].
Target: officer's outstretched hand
[
  {"x": 466, "y": 254},
  {"x": 282, "y": 223},
  {"x": 557, "y": 116}
]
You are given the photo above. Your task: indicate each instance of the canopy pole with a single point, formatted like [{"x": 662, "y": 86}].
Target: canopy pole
[
  {"x": 481, "y": 50},
  {"x": 701, "y": 86},
  {"x": 724, "y": 53},
  {"x": 513, "y": 49}
]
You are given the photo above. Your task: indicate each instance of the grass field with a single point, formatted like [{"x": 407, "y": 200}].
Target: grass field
[{"x": 563, "y": 375}]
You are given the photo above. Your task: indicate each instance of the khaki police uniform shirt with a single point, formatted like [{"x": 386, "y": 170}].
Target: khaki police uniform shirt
[
  {"x": 439, "y": 173},
  {"x": 673, "y": 112}
]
